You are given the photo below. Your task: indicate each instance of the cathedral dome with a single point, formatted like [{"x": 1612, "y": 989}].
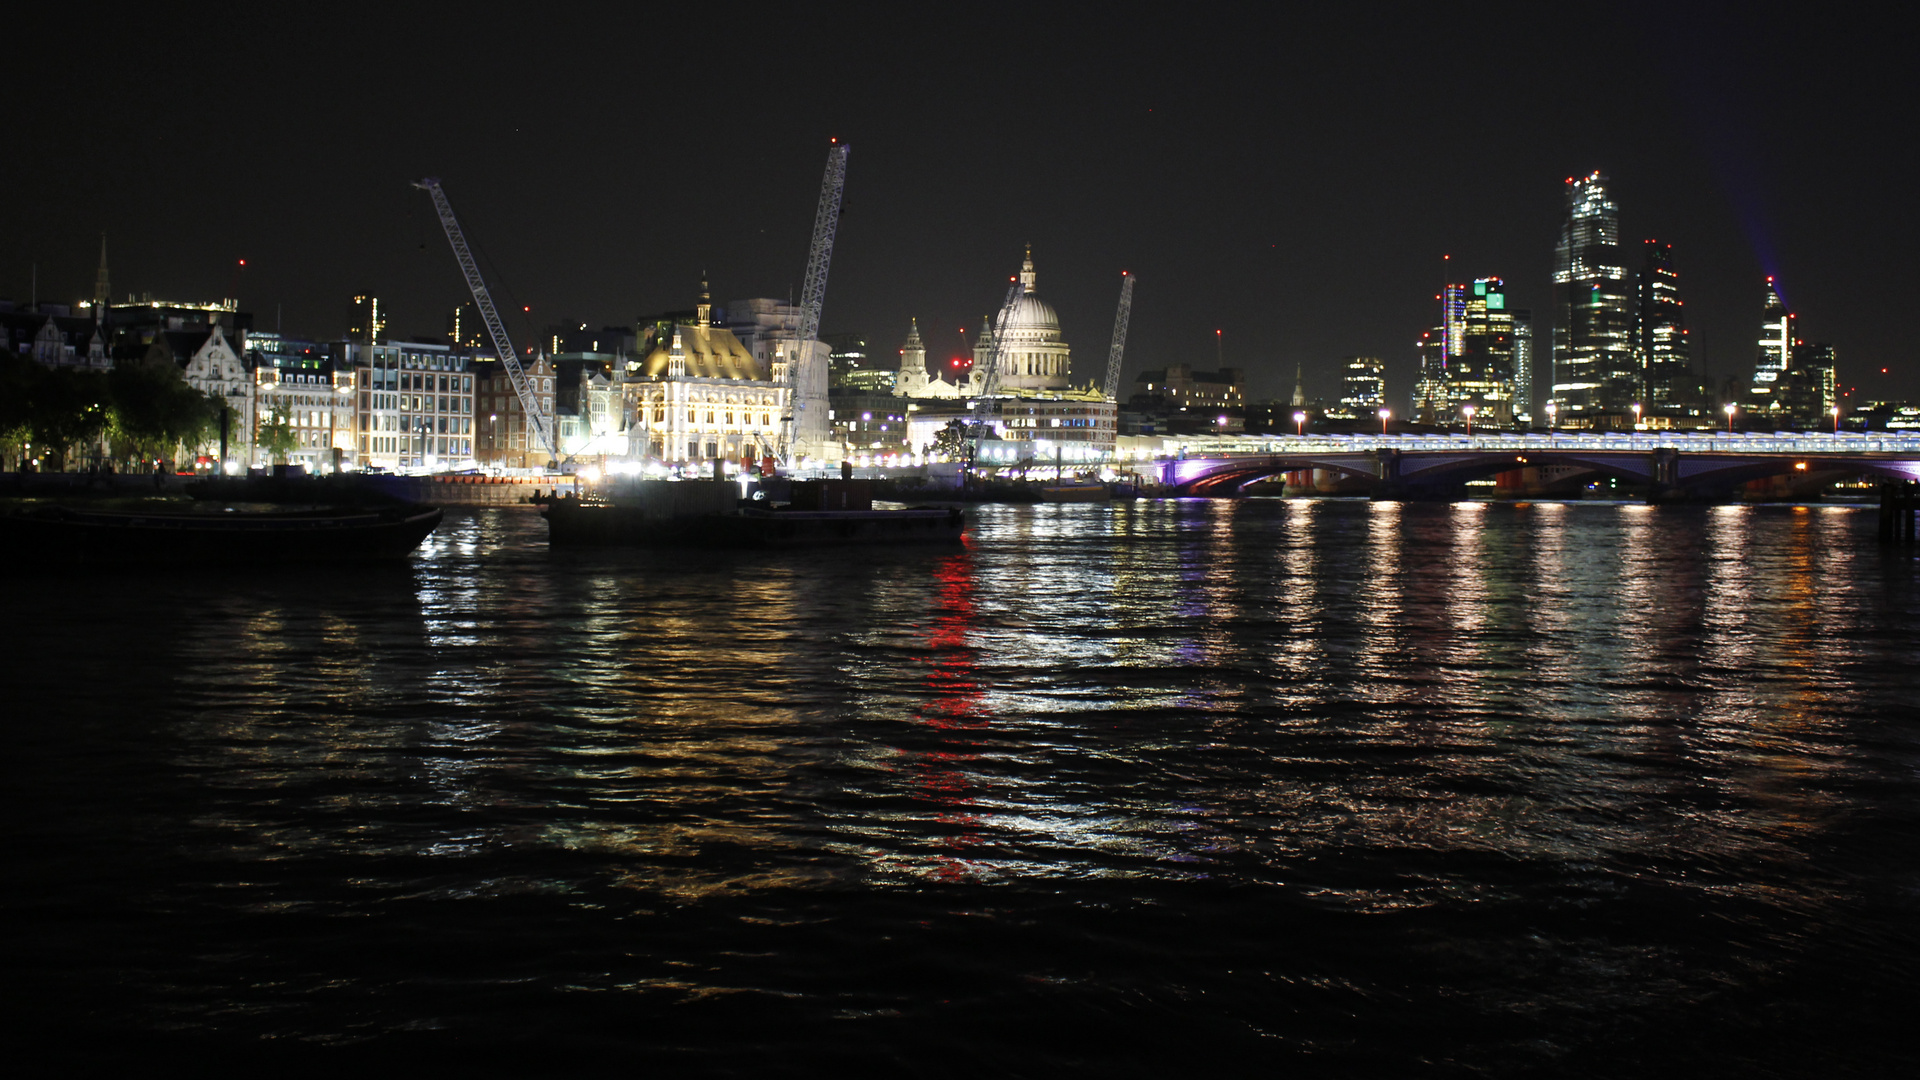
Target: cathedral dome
[{"x": 1032, "y": 313}]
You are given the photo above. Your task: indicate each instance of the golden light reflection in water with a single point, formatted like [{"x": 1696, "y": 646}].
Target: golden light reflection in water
[{"x": 1151, "y": 690}]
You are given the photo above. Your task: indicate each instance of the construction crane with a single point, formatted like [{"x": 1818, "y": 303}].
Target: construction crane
[
  {"x": 1119, "y": 336},
  {"x": 990, "y": 376},
  {"x": 813, "y": 295},
  {"x": 503, "y": 347}
]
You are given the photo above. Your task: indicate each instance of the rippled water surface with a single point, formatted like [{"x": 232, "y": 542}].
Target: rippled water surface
[{"x": 1327, "y": 787}]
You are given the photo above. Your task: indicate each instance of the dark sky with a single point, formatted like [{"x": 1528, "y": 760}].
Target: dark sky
[{"x": 1291, "y": 176}]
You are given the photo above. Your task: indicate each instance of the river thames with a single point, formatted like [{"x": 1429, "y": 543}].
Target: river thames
[{"x": 1327, "y": 787}]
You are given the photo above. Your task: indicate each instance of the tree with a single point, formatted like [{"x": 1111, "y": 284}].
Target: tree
[
  {"x": 156, "y": 411},
  {"x": 952, "y": 442},
  {"x": 277, "y": 437},
  {"x": 66, "y": 407}
]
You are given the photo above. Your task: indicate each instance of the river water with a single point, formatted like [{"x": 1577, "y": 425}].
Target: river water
[{"x": 1321, "y": 786}]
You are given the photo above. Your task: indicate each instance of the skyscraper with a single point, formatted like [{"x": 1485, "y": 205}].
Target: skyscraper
[
  {"x": 1365, "y": 387},
  {"x": 1432, "y": 394},
  {"x": 1776, "y": 350},
  {"x": 1594, "y": 379},
  {"x": 1481, "y": 373},
  {"x": 1468, "y": 360},
  {"x": 365, "y": 323},
  {"x": 1660, "y": 337},
  {"x": 1522, "y": 365}
]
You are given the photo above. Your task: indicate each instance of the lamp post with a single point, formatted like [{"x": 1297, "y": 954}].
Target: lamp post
[
  {"x": 1636, "y": 416},
  {"x": 1836, "y": 420},
  {"x": 1384, "y": 415},
  {"x": 1553, "y": 414},
  {"x": 1300, "y": 424},
  {"x": 1468, "y": 411},
  {"x": 1730, "y": 409}
]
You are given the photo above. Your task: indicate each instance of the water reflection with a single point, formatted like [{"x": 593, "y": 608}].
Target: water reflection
[{"x": 1508, "y": 719}]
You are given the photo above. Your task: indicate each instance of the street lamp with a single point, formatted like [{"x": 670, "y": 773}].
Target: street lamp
[
  {"x": 1636, "y": 416},
  {"x": 1384, "y": 414},
  {"x": 1836, "y": 420},
  {"x": 1553, "y": 414},
  {"x": 1730, "y": 409},
  {"x": 1300, "y": 423},
  {"x": 1468, "y": 410}
]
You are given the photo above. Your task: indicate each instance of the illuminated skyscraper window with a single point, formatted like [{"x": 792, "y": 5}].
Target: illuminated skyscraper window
[{"x": 1593, "y": 363}]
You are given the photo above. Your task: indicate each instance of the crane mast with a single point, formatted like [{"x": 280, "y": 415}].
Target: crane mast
[
  {"x": 503, "y": 347},
  {"x": 813, "y": 294},
  {"x": 1119, "y": 336},
  {"x": 990, "y": 378}
]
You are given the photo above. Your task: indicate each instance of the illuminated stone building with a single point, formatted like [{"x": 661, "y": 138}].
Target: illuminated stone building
[
  {"x": 212, "y": 365},
  {"x": 310, "y": 385},
  {"x": 699, "y": 393},
  {"x": 1594, "y": 375},
  {"x": 1036, "y": 356},
  {"x": 503, "y": 434},
  {"x": 417, "y": 405}
]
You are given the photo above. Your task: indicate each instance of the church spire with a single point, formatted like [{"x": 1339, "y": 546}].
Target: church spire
[
  {"x": 703, "y": 311},
  {"x": 1026, "y": 273},
  {"x": 102, "y": 292},
  {"x": 913, "y": 334}
]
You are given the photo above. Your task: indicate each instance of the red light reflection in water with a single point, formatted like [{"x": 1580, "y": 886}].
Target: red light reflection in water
[{"x": 954, "y": 706}]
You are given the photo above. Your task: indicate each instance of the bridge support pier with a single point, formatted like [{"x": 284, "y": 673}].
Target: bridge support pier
[
  {"x": 1899, "y": 500},
  {"x": 1390, "y": 486},
  {"x": 1663, "y": 472}
]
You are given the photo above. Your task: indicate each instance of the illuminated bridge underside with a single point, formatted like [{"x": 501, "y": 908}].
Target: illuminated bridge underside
[{"x": 1670, "y": 469}]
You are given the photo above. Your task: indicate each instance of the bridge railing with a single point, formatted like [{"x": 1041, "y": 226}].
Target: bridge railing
[{"x": 1785, "y": 442}]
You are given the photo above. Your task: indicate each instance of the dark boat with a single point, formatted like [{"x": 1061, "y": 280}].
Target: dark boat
[
  {"x": 823, "y": 513},
  {"x": 68, "y": 534}
]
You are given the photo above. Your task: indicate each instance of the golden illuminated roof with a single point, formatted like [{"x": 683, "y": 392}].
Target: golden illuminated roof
[{"x": 711, "y": 353}]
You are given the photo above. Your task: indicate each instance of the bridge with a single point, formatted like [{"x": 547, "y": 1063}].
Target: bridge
[{"x": 1665, "y": 465}]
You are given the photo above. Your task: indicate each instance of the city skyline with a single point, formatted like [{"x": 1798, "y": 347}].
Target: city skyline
[{"x": 1307, "y": 223}]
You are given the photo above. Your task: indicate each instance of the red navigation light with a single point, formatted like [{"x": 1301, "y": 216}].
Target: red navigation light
[{"x": 243, "y": 262}]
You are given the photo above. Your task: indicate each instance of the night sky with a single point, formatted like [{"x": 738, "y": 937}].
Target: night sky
[{"x": 1291, "y": 178}]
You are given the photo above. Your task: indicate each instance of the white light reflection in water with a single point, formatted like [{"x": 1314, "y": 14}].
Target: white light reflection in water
[{"x": 1378, "y": 600}]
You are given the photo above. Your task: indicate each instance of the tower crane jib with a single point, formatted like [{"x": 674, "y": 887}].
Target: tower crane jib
[
  {"x": 813, "y": 294},
  {"x": 503, "y": 347},
  {"x": 1119, "y": 336}
]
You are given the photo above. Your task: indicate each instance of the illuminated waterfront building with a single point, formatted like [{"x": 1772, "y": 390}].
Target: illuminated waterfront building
[
  {"x": 416, "y": 405},
  {"x": 1594, "y": 375},
  {"x": 309, "y": 386},
  {"x": 699, "y": 393}
]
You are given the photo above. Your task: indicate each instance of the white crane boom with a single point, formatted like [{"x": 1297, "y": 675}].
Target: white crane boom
[
  {"x": 813, "y": 294},
  {"x": 1119, "y": 336},
  {"x": 502, "y": 346},
  {"x": 990, "y": 378}
]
